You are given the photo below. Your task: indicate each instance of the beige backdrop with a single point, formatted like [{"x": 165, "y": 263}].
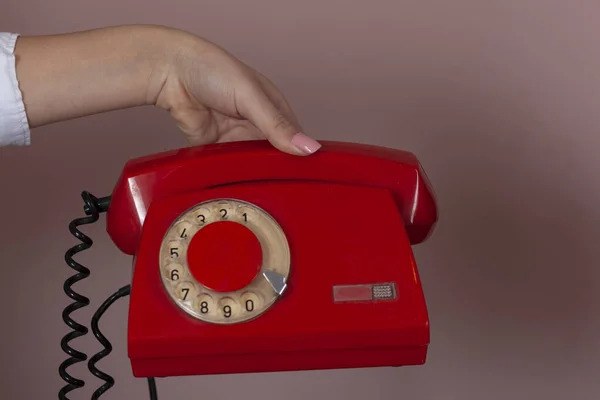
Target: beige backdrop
[{"x": 499, "y": 99}]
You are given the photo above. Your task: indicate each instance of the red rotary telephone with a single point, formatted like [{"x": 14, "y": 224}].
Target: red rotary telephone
[{"x": 247, "y": 259}]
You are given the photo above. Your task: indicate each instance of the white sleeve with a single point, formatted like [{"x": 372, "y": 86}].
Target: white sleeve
[{"x": 14, "y": 128}]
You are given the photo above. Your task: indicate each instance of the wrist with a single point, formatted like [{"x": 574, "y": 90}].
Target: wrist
[
  {"x": 165, "y": 88},
  {"x": 163, "y": 46}
]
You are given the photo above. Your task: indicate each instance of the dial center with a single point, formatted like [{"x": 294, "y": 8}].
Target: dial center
[{"x": 224, "y": 256}]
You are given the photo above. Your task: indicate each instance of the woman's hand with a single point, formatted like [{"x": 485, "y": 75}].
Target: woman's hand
[{"x": 212, "y": 96}]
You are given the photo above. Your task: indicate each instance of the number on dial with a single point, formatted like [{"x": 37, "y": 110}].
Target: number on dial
[
  {"x": 185, "y": 291},
  {"x": 175, "y": 272}
]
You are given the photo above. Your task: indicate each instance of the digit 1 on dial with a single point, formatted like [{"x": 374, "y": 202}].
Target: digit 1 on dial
[{"x": 245, "y": 214}]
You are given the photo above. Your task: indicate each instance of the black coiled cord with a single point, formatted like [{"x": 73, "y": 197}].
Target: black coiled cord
[
  {"x": 92, "y": 208},
  {"x": 109, "y": 380}
]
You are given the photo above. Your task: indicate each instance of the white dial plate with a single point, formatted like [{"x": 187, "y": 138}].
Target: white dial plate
[{"x": 209, "y": 305}]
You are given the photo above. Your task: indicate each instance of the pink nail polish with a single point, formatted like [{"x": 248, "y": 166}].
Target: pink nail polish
[{"x": 305, "y": 144}]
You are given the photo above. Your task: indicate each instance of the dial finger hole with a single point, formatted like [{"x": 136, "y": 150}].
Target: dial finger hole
[
  {"x": 185, "y": 291},
  {"x": 175, "y": 249},
  {"x": 185, "y": 230},
  {"x": 225, "y": 210},
  {"x": 202, "y": 216},
  {"x": 174, "y": 272},
  {"x": 246, "y": 214},
  {"x": 250, "y": 302},
  {"x": 228, "y": 308},
  {"x": 204, "y": 304}
]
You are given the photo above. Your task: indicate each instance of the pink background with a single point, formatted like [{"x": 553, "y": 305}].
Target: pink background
[{"x": 499, "y": 99}]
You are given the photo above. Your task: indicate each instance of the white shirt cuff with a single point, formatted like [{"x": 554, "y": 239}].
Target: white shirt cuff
[{"x": 14, "y": 128}]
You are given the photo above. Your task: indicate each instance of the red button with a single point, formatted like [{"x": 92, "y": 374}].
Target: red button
[{"x": 224, "y": 256}]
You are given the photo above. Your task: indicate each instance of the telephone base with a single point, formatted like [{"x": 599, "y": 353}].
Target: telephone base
[
  {"x": 279, "y": 362},
  {"x": 338, "y": 241}
]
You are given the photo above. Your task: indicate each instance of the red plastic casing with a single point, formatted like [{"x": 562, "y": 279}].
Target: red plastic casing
[{"x": 350, "y": 213}]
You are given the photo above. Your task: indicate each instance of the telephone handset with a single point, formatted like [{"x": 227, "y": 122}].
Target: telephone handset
[{"x": 247, "y": 259}]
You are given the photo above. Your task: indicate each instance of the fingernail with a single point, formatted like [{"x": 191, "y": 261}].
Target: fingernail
[{"x": 305, "y": 144}]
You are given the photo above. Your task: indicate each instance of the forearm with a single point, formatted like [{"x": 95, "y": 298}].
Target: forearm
[{"x": 77, "y": 74}]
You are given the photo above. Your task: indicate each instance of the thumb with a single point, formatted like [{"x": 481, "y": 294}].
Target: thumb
[{"x": 278, "y": 129}]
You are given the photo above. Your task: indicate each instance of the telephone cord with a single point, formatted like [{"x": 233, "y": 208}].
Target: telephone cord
[
  {"x": 80, "y": 301},
  {"x": 109, "y": 380},
  {"x": 92, "y": 208}
]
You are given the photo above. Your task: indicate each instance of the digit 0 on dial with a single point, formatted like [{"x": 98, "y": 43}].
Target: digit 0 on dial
[{"x": 224, "y": 261}]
